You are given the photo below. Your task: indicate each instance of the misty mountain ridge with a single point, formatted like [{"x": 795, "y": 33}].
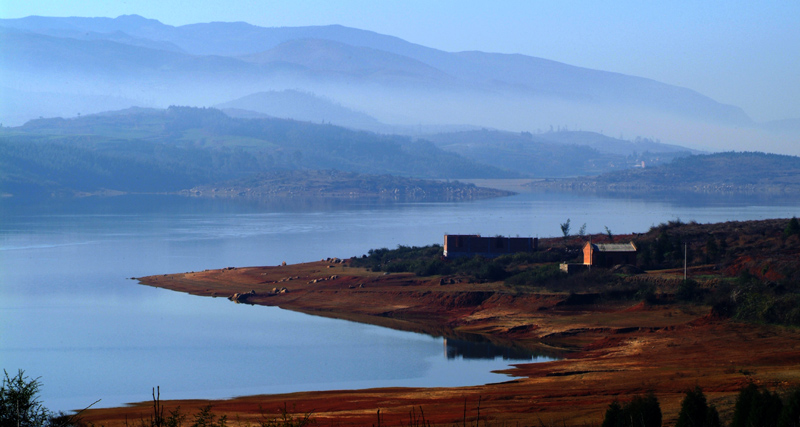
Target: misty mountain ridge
[
  {"x": 292, "y": 104},
  {"x": 395, "y": 82},
  {"x": 556, "y": 154},
  {"x": 151, "y": 150}
]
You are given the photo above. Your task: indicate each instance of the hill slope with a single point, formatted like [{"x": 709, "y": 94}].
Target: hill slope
[
  {"x": 555, "y": 154},
  {"x": 147, "y": 150},
  {"x": 728, "y": 172}
]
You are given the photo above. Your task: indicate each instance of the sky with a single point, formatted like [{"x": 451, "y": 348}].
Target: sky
[{"x": 742, "y": 53}]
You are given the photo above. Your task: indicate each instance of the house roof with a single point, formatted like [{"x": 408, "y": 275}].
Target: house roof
[{"x": 614, "y": 247}]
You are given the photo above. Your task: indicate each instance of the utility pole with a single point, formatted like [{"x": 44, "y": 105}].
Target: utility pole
[{"x": 684, "y": 261}]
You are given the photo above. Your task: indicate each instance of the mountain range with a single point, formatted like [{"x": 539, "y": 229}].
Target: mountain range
[
  {"x": 67, "y": 66},
  {"x": 140, "y": 150}
]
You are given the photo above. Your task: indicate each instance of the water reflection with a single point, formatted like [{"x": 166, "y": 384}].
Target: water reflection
[
  {"x": 68, "y": 259},
  {"x": 461, "y": 349}
]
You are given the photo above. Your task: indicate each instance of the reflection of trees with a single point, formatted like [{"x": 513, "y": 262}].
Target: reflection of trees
[
  {"x": 452, "y": 337},
  {"x": 483, "y": 349}
]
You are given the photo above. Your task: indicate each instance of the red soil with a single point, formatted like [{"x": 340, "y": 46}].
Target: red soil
[{"x": 611, "y": 351}]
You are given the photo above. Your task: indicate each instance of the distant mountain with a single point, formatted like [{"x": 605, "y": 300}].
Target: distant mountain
[
  {"x": 555, "y": 154},
  {"x": 292, "y": 104},
  {"x": 151, "y": 150},
  {"x": 610, "y": 145},
  {"x": 336, "y": 60},
  {"x": 720, "y": 173},
  {"x": 389, "y": 79}
]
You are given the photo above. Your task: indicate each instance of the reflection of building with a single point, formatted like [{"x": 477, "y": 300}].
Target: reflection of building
[
  {"x": 609, "y": 254},
  {"x": 467, "y": 245}
]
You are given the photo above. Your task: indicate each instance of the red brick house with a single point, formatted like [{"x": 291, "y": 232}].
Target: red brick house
[{"x": 609, "y": 254}]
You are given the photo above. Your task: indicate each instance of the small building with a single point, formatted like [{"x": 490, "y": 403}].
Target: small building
[
  {"x": 609, "y": 254},
  {"x": 468, "y": 245}
]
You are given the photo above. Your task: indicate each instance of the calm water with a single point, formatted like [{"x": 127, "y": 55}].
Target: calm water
[{"x": 69, "y": 315}]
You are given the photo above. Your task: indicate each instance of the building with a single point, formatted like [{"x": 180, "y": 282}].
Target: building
[
  {"x": 609, "y": 254},
  {"x": 468, "y": 245}
]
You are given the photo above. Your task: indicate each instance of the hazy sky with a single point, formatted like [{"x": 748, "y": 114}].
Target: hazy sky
[{"x": 744, "y": 53}]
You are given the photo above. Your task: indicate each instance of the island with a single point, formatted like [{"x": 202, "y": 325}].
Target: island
[{"x": 708, "y": 305}]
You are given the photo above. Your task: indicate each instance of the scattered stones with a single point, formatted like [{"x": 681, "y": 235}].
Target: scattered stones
[
  {"x": 323, "y": 279},
  {"x": 241, "y": 297}
]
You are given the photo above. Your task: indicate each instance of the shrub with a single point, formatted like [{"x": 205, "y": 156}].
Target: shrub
[
  {"x": 688, "y": 290},
  {"x": 204, "y": 418},
  {"x": 537, "y": 276},
  {"x": 19, "y": 402}
]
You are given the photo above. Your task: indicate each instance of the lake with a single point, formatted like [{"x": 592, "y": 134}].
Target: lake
[{"x": 70, "y": 316}]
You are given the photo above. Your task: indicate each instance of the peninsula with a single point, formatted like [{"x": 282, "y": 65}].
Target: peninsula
[{"x": 616, "y": 332}]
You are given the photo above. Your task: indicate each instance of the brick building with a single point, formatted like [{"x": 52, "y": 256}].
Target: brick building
[
  {"x": 468, "y": 245},
  {"x": 609, "y": 254}
]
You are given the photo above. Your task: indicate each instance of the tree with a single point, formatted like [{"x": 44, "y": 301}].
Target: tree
[
  {"x": 614, "y": 415},
  {"x": 793, "y": 227},
  {"x": 695, "y": 411},
  {"x": 755, "y": 407},
  {"x": 582, "y": 230},
  {"x": 790, "y": 416},
  {"x": 712, "y": 250},
  {"x": 642, "y": 411},
  {"x": 565, "y": 229},
  {"x": 19, "y": 402}
]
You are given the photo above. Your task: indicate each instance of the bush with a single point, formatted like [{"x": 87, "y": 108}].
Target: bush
[
  {"x": 688, "y": 290},
  {"x": 19, "y": 402},
  {"x": 537, "y": 276}
]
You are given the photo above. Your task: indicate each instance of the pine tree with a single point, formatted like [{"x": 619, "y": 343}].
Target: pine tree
[
  {"x": 613, "y": 416},
  {"x": 695, "y": 411},
  {"x": 790, "y": 415}
]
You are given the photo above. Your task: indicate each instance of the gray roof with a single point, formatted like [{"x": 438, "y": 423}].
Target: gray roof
[{"x": 615, "y": 247}]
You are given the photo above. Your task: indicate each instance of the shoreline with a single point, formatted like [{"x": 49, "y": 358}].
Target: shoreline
[{"x": 611, "y": 351}]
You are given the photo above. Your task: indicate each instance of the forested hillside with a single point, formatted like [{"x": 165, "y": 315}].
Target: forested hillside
[
  {"x": 145, "y": 150},
  {"x": 556, "y": 154},
  {"x": 745, "y": 173}
]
